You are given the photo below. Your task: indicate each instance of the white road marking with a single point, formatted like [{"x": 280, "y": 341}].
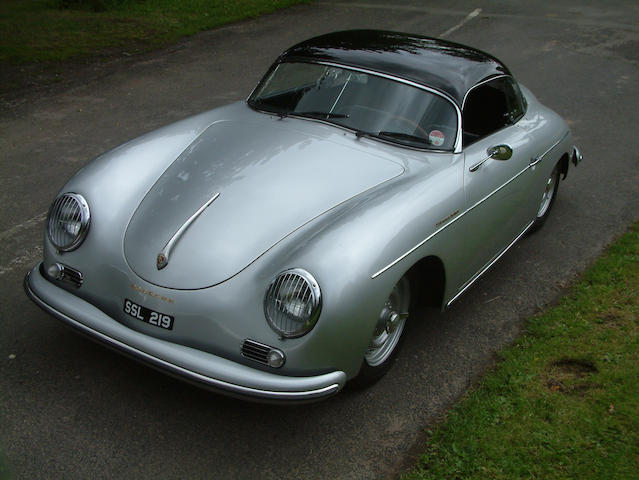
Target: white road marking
[
  {"x": 20, "y": 260},
  {"x": 27, "y": 256},
  {"x": 570, "y": 20},
  {"x": 22, "y": 226},
  {"x": 468, "y": 18}
]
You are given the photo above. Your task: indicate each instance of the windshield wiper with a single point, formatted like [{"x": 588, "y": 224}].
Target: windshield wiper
[
  {"x": 265, "y": 107},
  {"x": 394, "y": 137},
  {"x": 403, "y": 136},
  {"x": 320, "y": 115},
  {"x": 284, "y": 112}
]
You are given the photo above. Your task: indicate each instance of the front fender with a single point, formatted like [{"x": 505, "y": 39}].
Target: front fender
[{"x": 360, "y": 250}]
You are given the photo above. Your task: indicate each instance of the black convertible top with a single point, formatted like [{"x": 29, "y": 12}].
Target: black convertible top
[{"x": 448, "y": 67}]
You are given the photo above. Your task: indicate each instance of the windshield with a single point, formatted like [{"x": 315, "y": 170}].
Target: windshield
[{"x": 369, "y": 104}]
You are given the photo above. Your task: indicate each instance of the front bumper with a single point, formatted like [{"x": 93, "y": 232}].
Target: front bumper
[{"x": 207, "y": 370}]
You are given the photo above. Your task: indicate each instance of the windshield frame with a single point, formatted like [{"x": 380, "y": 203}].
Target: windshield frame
[{"x": 457, "y": 145}]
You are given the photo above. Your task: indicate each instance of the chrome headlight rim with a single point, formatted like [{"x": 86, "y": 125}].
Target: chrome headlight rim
[
  {"x": 67, "y": 200},
  {"x": 315, "y": 298}
]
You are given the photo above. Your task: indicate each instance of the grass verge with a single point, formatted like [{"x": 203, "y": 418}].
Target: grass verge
[
  {"x": 55, "y": 30},
  {"x": 563, "y": 402}
]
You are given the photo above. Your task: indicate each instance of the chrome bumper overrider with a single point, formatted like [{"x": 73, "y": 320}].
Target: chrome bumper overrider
[
  {"x": 577, "y": 157},
  {"x": 202, "y": 368}
]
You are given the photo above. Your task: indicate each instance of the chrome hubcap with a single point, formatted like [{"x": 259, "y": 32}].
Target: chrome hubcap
[
  {"x": 390, "y": 325},
  {"x": 549, "y": 191}
]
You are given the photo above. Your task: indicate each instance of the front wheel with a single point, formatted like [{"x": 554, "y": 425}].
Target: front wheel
[
  {"x": 547, "y": 199},
  {"x": 387, "y": 335}
]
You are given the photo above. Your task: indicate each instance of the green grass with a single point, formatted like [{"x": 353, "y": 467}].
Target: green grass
[
  {"x": 563, "y": 402},
  {"x": 55, "y": 30}
]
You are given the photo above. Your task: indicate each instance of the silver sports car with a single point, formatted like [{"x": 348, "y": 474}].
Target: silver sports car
[{"x": 272, "y": 248}]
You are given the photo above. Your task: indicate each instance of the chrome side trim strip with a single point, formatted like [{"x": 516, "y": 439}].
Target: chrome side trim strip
[
  {"x": 213, "y": 383},
  {"x": 536, "y": 160},
  {"x": 376, "y": 274},
  {"x": 490, "y": 264},
  {"x": 164, "y": 255}
]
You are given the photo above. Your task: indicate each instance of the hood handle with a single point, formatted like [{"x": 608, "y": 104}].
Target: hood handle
[{"x": 164, "y": 255}]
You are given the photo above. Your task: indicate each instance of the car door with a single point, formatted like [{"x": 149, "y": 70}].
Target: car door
[{"x": 497, "y": 181}]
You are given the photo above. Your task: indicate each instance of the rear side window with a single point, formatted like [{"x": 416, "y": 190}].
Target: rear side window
[
  {"x": 516, "y": 104},
  {"x": 491, "y": 107}
]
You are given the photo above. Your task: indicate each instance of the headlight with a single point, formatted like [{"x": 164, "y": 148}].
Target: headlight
[
  {"x": 293, "y": 302},
  {"x": 68, "y": 221}
]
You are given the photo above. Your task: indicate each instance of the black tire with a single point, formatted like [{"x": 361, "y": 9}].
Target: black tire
[
  {"x": 387, "y": 337},
  {"x": 547, "y": 199}
]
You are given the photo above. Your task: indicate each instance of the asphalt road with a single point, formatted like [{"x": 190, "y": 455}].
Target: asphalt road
[{"x": 72, "y": 409}]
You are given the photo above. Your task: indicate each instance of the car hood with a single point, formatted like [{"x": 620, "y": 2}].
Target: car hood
[{"x": 271, "y": 179}]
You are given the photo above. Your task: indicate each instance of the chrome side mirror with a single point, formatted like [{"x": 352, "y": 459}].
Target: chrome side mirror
[{"x": 500, "y": 152}]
